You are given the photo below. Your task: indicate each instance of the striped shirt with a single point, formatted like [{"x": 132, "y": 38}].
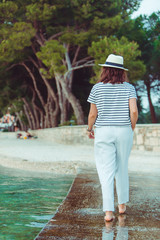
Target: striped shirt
[{"x": 112, "y": 102}]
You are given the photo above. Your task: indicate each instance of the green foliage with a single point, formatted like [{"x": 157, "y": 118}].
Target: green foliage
[
  {"x": 68, "y": 37},
  {"x": 129, "y": 6},
  {"x": 145, "y": 117},
  {"x": 100, "y": 25},
  {"x": 81, "y": 39},
  {"x": 18, "y": 104},
  {"x": 71, "y": 122},
  {"x": 129, "y": 50},
  {"x": 52, "y": 54},
  {"x": 107, "y": 26},
  {"x": 15, "y": 39},
  {"x": 156, "y": 54},
  {"x": 39, "y": 11},
  {"x": 5, "y": 130},
  {"x": 146, "y": 31},
  {"x": 21, "y": 35},
  {"x": 7, "y": 11},
  {"x": 85, "y": 10},
  {"x": 136, "y": 69},
  {"x": 152, "y": 46},
  {"x": 7, "y": 92},
  {"x": 24, "y": 119},
  {"x": 9, "y": 99}
]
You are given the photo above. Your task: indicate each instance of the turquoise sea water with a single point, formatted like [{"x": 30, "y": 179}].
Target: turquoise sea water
[{"x": 28, "y": 201}]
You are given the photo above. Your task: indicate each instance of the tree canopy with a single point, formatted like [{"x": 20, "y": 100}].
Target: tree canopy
[
  {"x": 145, "y": 30},
  {"x": 47, "y": 46}
]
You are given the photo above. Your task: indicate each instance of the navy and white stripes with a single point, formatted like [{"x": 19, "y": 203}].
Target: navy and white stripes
[{"x": 112, "y": 102}]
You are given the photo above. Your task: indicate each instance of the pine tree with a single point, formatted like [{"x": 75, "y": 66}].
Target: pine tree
[{"x": 48, "y": 42}]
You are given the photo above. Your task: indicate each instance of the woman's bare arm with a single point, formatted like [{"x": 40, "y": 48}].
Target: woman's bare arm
[
  {"x": 133, "y": 111},
  {"x": 92, "y": 116}
]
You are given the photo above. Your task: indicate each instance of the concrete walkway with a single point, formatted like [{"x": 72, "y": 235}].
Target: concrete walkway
[{"x": 80, "y": 216}]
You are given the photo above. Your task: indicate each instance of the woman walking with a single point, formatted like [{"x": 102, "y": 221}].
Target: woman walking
[{"x": 114, "y": 112}]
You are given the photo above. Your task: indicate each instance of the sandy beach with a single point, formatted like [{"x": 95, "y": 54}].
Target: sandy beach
[
  {"x": 36, "y": 155},
  {"x": 40, "y": 156}
]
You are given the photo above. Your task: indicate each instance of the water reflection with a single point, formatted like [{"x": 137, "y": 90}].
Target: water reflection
[{"x": 120, "y": 232}]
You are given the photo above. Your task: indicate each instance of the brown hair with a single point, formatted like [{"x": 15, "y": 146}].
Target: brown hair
[{"x": 112, "y": 75}]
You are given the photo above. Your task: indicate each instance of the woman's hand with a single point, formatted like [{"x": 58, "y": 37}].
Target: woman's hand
[
  {"x": 133, "y": 112},
  {"x": 90, "y": 134}
]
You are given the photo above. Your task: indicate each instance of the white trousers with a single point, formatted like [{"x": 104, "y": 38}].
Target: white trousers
[{"x": 112, "y": 149}]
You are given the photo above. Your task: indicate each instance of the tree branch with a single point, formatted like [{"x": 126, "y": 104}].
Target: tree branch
[
  {"x": 12, "y": 66},
  {"x": 67, "y": 58},
  {"x": 76, "y": 55},
  {"x": 81, "y": 61},
  {"x": 88, "y": 64},
  {"x": 34, "y": 50},
  {"x": 34, "y": 62},
  {"x": 42, "y": 37},
  {"x": 34, "y": 83},
  {"x": 48, "y": 85},
  {"x": 55, "y": 36},
  {"x": 39, "y": 40}
]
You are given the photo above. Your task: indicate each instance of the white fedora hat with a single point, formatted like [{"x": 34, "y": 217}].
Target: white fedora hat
[{"x": 115, "y": 61}]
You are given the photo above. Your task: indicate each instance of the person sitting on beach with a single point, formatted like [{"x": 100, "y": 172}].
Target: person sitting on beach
[
  {"x": 19, "y": 135},
  {"x": 28, "y": 135}
]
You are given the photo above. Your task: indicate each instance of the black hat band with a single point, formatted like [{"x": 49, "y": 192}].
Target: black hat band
[{"x": 114, "y": 64}]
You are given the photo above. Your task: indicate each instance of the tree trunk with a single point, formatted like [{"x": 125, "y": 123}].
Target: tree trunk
[
  {"x": 49, "y": 89},
  {"x": 52, "y": 94},
  {"x": 53, "y": 117},
  {"x": 72, "y": 99},
  {"x": 152, "y": 111},
  {"x": 28, "y": 117},
  {"x": 34, "y": 83},
  {"x": 66, "y": 108},
  {"x": 31, "y": 114},
  {"x": 49, "y": 113},
  {"x": 42, "y": 120},
  {"x": 69, "y": 77},
  {"x": 46, "y": 121},
  {"x": 50, "y": 120},
  {"x": 62, "y": 103},
  {"x": 20, "y": 122},
  {"x": 41, "y": 113},
  {"x": 19, "y": 118},
  {"x": 35, "y": 109},
  {"x": 37, "y": 123}
]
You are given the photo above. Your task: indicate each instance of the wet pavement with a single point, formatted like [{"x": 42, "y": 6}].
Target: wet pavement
[{"x": 80, "y": 216}]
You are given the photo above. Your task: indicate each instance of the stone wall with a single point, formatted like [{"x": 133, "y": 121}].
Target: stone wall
[
  {"x": 146, "y": 136},
  {"x": 65, "y": 134}
]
